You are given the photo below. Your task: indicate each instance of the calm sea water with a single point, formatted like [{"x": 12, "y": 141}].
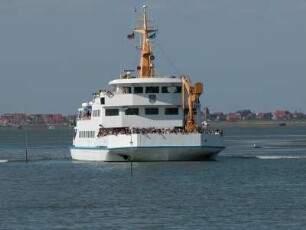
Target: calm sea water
[{"x": 246, "y": 188}]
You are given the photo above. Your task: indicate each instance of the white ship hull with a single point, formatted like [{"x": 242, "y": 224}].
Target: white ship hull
[
  {"x": 146, "y": 154},
  {"x": 152, "y": 147}
]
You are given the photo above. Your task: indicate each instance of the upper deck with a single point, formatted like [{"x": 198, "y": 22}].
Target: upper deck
[
  {"x": 141, "y": 98},
  {"x": 146, "y": 81}
]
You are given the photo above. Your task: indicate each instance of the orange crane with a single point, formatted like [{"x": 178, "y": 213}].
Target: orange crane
[{"x": 193, "y": 94}]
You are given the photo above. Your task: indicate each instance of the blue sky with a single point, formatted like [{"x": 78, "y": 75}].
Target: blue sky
[{"x": 249, "y": 54}]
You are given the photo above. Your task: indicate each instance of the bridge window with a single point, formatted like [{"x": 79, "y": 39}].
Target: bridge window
[
  {"x": 111, "y": 112},
  {"x": 132, "y": 111},
  {"x": 171, "y": 89},
  {"x": 126, "y": 89},
  {"x": 138, "y": 89},
  {"x": 171, "y": 111},
  {"x": 102, "y": 100},
  {"x": 151, "y": 111},
  {"x": 152, "y": 89},
  {"x": 165, "y": 89}
]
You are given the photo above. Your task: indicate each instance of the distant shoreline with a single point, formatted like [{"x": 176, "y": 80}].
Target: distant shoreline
[
  {"x": 257, "y": 123},
  {"x": 42, "y": 126}
]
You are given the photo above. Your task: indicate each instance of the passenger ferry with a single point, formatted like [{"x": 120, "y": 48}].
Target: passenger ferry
[{"x": 145, "y": 117}]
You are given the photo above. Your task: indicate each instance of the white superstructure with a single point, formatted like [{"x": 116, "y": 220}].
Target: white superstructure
[{"x": 144, "y": 117}]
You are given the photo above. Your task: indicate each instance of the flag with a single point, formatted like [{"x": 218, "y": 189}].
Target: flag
[
  {"x": 131, "y": 36},
  {"x": 152, "y": 36}
]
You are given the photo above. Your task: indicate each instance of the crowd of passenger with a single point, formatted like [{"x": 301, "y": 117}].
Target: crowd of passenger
[
  {"x": 121, "y": 131},
  {"x": 84, "y": 115}
]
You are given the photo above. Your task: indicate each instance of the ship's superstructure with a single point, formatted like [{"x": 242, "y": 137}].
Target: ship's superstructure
[{"x": 142, "y": 117}]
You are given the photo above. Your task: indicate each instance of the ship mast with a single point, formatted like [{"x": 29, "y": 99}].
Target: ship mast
[{"x": 146, "y": 65}]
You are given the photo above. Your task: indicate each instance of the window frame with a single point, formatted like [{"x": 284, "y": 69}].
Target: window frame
[
  {"x": 111, "y": 115},
  {"x": 127, "y": 89},
  {"x": 152, "y": 89},
  {"x": 134, "y": 111},
  {"x": 169, "y": 109},
  {"x": 138, "y": 87},
  {"x": 151, "y": 108}
]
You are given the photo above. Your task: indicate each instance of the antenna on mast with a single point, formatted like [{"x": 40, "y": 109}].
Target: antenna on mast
[{"x": 146, "y": 66}]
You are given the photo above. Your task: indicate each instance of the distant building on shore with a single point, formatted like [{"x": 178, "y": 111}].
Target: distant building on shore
[
  {"x": 219, "y": 116},
  {"x": 233, "y": 117},
  {"x": 13, "y": 118},
  {"x": 247, "y": 114},
  {"x": 264, "y": 116},
  {"x": 282, "y": 115},
  {"x": 17, "y": 119}
]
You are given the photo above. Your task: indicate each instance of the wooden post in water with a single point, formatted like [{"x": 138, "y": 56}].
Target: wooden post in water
[
  {"x": 131, "y": 157},
  {"x": 26, "y": 142}
]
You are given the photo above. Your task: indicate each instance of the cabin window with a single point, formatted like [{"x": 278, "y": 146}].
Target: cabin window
[
  {"x": 111, "y": 112},
  {"x": 151, "y": 111},
  {"x": 86, "y": 134},
  {"x": 171, "y": 89},
  {"x": 126, "y": 89},
  {"x": 171, "y": 111},
  {"x": 102, "y": 100},
  {"x": 132, "y": 111},
  {"x": 165, "y": 89},
  {"x": 138, "y": 89},
  {"x": 96, "y": 113},
  {"x": 168, "y": 89},
  {"x": 152, "y": 89}
]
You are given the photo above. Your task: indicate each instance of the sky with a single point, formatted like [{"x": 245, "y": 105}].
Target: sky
[{"x": 249, "y": 54}]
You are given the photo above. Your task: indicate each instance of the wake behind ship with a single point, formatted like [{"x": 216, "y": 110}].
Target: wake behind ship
[{"x": 145, "y": 117}]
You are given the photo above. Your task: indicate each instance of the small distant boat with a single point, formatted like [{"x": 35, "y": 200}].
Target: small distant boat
[
  {"x": 51, "y": 127},
  {"x": 282, "y": 124},
  {"x": 255, "y": 146}
]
